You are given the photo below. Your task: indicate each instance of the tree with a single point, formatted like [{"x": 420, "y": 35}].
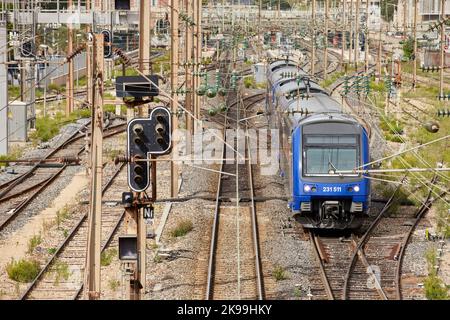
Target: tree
[
  {"x": 408, "y": 48},
  {"x": 387, "y": 9}
]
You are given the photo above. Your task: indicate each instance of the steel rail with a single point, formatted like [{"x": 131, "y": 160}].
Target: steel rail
[
  {"x": 426, "y": 205},
  {"x": 215, "y": 224},
  {"x": 255, "y": 233},
  {"x": 323, "y": 273},
  {"x": 363, "y": 241},
  {"x": 28, "y": 200},
  {"x": 72, "y": 233}
]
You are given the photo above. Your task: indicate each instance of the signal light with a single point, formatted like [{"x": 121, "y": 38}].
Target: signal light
[
  {"x": 27, "y": 49},
  {"x": 147, "y": 136},
  {"x": 107, "y": 46},
  {"x": 432, "y": 126}
]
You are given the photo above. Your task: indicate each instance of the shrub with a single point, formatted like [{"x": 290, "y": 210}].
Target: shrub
[
  {"x": 279, "y": 273},
  {"x": 435, "y": 288},
  {"x": 23, "y": 270},
  {"x": 433, "y": 285},
  {"x": 107, "y": 256},
  {"x": 249, "y": 82},
  {"x": 51, "y": 251},
  {"x": 408, "y": 48},
  {"x": 33, "y": 243},
  {"x": 182, "y": 228}
]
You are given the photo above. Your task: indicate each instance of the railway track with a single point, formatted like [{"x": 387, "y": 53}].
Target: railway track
[
  {"x": 16, "y": 195},
  {"x": 72, "y": 251},
  {"x": 368, "y": 267},
  {"x": 234, "y": 235},
  {"x": 340, "y": 270}
]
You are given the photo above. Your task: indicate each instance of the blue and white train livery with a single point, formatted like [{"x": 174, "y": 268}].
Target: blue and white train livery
[{"x": 317, "y": 145}]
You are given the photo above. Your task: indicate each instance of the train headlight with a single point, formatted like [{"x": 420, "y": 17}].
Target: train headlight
[
  {"x": 356, "y": 188},
  {"x": 306, "y": 188}
]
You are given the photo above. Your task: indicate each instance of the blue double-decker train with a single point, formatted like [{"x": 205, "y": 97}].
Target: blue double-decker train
[{"x": 319, "y": 141}]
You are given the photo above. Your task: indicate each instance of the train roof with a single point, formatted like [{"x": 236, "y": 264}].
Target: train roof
[
  {"x": 317, "y": 102},
  {"x": 327, "y": 117},
  {"x": 288, "y": 85},
  {"x": 278, "y": 63},
  {"x": 275, "y": 76}
]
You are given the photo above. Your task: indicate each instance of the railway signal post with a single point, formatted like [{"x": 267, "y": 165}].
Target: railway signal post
[
  {"x": 442, "y": 44},
  {"x": 415, "y": 46},
  {"x": 146, "y": 138},
  {"x": 313, "y": 42},
  {"x": 92, "y": 268},
  {"x": 174, "y": 61},
  {"x": 356, "y": 44},
  {"x": 325, "y": 31},
  {"x": 70, "y": 65}
]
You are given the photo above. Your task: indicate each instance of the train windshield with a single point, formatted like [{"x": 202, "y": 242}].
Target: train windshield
[{"x": 323, "y": 154}]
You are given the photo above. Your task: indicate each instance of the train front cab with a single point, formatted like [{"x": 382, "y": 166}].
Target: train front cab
[{"x": 321, "y": 200}]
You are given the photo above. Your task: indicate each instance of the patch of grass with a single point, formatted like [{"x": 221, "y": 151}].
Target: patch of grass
[
  {"x": 157, "y": 258},
  {"x": 393, "y": 137},
  {"x": 47, "y": 127},
  {"x": 33, "y": 242},
  {"x": 433, "y": 285},
  {"x": 23, "y": 270},
  {"x": 107, "y": 256},
  {"x": 55, "y": 88},
  {"x": 249, "y": 82},
  {"x": 435, "y": 289},
  {"x": 47, "y": 225},
  {"x": 442, "y": 218},
  {"x": 61, "y": 271},
  {"x": 391, "y": 126},
  {"x": 377, "y": 87},
  {"x": 261, "y": 85},
  {"x": 61, "y": 215},
  {"x": 13, "y": 91},
  {"x": 154, "y": 246},
  {"x": 51, "y": 251},
  {"x": 331, "y": 79},
  {"x": 279, "y": 273},
  {"x": 14, "y": 153},
  {"x": 111, "y": 154},
  {"x": 423, "y": 91},
  {"x": 399, "y": 198},
  {"x": 182, "y": 228},
  {"x": 65, "y": 233},
  {"x": 297, "y": 293},
  {"x": 113, "y": 284}
]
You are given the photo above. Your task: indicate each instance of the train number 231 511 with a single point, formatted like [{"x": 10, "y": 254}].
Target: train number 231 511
[{"x": 331, "y": 189}]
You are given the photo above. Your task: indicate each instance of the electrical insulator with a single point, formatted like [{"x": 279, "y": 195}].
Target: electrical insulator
[{"x": 431, "y": 126}]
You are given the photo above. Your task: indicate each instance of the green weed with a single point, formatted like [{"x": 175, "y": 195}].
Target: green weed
[
  {"x": 23, "y": 270},
  {"x": 107, "y": 256},
  {"x": 182, "y": 228},
  {"x": 33, "y": 242}
]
